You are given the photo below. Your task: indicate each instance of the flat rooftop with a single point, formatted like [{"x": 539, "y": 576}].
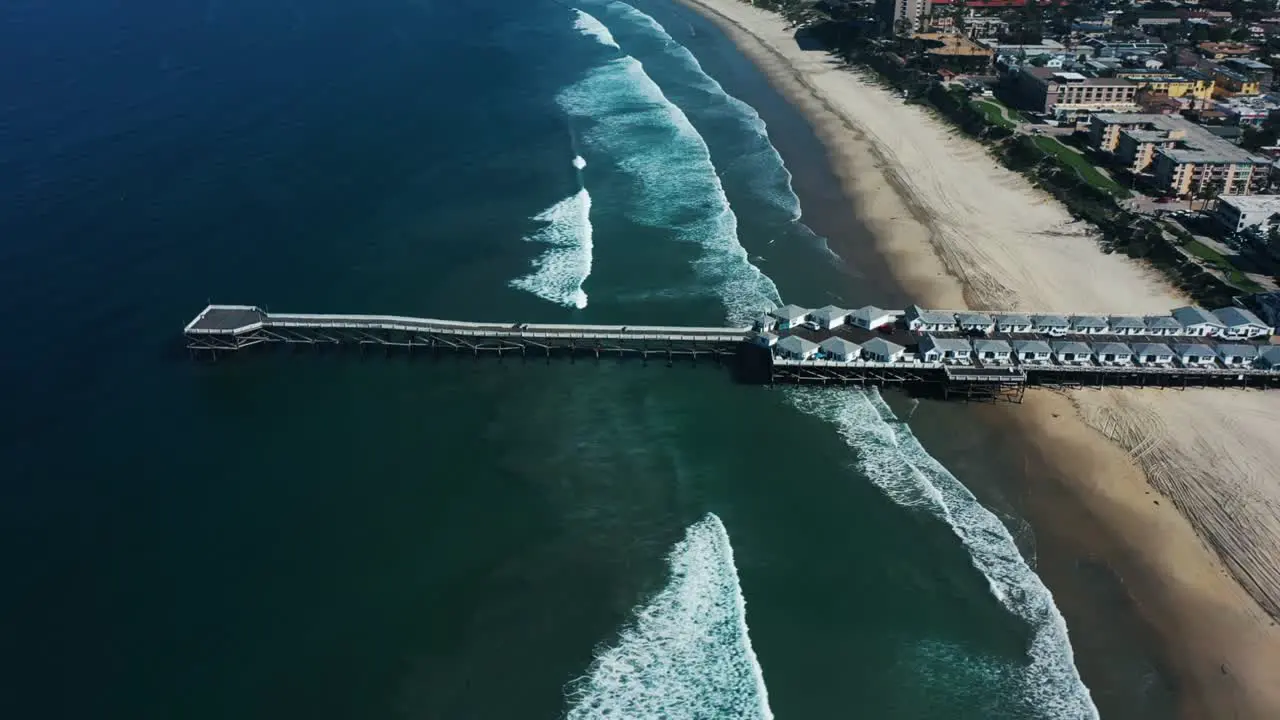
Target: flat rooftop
[{"x": 1199, "y": 144}]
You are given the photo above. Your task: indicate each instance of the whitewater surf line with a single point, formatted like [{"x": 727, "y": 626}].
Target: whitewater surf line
[
  {"x": 589, "y": 25},
  {"x": 558, "y": 274},
  {"x": 893, "y": 459},
  {"x": 686, "y": 653}
]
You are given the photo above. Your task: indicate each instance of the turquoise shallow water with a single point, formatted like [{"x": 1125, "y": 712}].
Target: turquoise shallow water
[{"x": 343, "y": 537}]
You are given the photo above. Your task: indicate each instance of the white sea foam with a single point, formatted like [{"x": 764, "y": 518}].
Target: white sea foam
[
  {"x": 895, "y": 461},
  {"x": 686, "y": 654},
  {"x": 588, "y": 25},
  {"x": 558, "y": 274},
  {"x": 578, "y": 162},
  {"x": 675, "y": 186}
]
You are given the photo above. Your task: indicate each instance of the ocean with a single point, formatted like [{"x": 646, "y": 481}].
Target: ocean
[{"x": 339, "y": 536}]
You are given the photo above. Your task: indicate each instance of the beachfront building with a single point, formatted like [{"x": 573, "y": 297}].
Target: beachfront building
[
  {"x": 829, "y": 317},
  {"x": 1197, "y": 322},
  {"x": 764, "y": 323},
  {"x": 975, "y": 322},
  {"x": 896, "y": 16},
  {"x": 1229, "y": 83},
  {"x": 1088, "y": 324},
  {"x": 1071, "y": 352},
  {"x": 794, "y": 347},
  {"x": 871, "y": 317},
  {"x": 1127, "y": 325},
  {"x": 1053, "y": 91},
  {"x": 1165, "y": 325},
  {"x": 1113, "y": 353},
  {"x": 1240, "y": 323},
  {"x": 1153, "y": 354},
  {"x": 921, "y": 320},
  {"x": 945, "y": 350},
  {"x": 1195, "y": 355},
  {"x": 1240, "y": 213},
  {"x": 881, "y": 350},
  {"x": 1013, "y": 323},
  {"x": 1183, "y": 156},
  {"x": 1183, "y": 82},
  {"x": 764, "y": 339},
  {"x": 1050, "y": 324},
  {"x": 992, "y": 352},
  {"x": 1268, "y": 357},
  {"x": 789, "y": 316},
  {"x": 1032, "y": 352},
  {"x": 840, "y": 350},
  {"x": 1235, "y": 355}
]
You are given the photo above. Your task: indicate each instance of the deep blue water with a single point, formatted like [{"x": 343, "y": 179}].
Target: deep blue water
[{"x": 335, "y": 537}]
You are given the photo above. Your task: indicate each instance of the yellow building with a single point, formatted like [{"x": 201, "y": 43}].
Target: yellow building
[
  {"x": 1186, "y": 84},
  {"x": 1228, "y": 83}
]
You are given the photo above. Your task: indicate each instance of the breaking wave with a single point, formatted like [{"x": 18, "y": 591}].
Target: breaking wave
[
  {"x": 686, "y": 654},
  {"x": 895, "y": 461},
  {"x": 558, "y": 274},
  {"x": 588, "y": 25}
]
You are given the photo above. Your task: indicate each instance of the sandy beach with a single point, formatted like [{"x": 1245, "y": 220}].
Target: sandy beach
[{"x": 1182, "y": 485}]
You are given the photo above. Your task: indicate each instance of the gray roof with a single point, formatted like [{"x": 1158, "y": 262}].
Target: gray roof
[
  {"x": 953, "y": 344},
  {"x": 828, "y": 313},
  {"x": 1088, "y": 321},
  {"x": 994, "y": 346},
  {"x": 1049, "y": 321},
  {"x": 1073, "y": 347},
  {"x": 1033, "y": 346},
  {"x": 840, "y": 346},
  {"x": 1112, "y": 348},
  {"x": 1271, "y": 354},
  {"x": 934, "y": 317},
  {"x": 1195, "y": 349},
  {"x": 1194, "y": 314},
  {"x": 797, "y": 345},
  {"x": 1127, "y": 321},
  {"x": 1236, "y": 316},
  {"x": 1240, "y": 350},
  {"x": 870, "y": 312},
  {"x": 789, "y": 312},
  {"x": 880, "y": 346},
  {"x": 1013, "y": 319},
  {"x": 1157, "y": 349},
  {"x": 973, "y": 318},
  {"x": 1163, "y": 321}
]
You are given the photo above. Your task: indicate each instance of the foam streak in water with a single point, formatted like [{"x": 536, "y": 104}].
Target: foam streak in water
[
  {"x": 896, "y": 462},
  {"x": 588, "y": 25},
  {"x": 559, "y": 273},
  {"x": 687, "y": 653}
]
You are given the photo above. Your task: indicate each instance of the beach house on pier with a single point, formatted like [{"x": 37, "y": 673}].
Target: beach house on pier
[
  {"x": 764, "y": 339},
  {"x": 1195, "y": 355},
  {"x": 789, "y": 316},
  {"x": 1152, "y": 354},
  {"x": 1070, "y": 352},
  {"x": 1112, "y": 353},
  {"x": 1197, "y": 322},
  {"x": 945, "y": 350},
  {"x": 871, "y": 317},
  {"x": 1013, "y": 323},
  {"x": 829, "y": 317},
  {"x": 1088, "y": 324},
  {"x": 1268, "y": 357},
  {"x": 921, "y": 320},
  {"x": 1234, "y": 355},
  {"x": 1127, "y": 325},
  {"x": 1163, "y": 325},
  {"x": 975, "y": 322},
  {"x": 1032, "y": 352},
  {"x": 992, "y": 352},
  {"x": 1240, "y": 323},
  {"x": 794, "y": 347},
  {"x": 839, "y": 349},
  {"x": 764, "y": 323},
  {"x": 881, "y": 350},
  {"x": 1055, "y": 325}
]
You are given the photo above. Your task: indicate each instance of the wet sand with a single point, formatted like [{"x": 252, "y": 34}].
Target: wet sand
[{"x": 1172, "y": 494}]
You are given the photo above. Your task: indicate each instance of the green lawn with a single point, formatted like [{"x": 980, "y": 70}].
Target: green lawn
[
  {"x": 991, "y": 111},
  {"x": 1082, "y": 166},
  {"x": 1215, "y": 258}
]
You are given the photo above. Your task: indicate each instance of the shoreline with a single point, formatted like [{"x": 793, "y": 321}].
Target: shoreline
[{"x": 1155, "y": 478}]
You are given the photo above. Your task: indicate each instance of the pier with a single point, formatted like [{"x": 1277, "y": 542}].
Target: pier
[{"x": 755, "y": 353}]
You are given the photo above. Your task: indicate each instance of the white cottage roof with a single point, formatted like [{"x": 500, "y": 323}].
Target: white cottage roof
[
  {"x": 934, "y": 317},
  {"x": 1088, "y": 321},
  {"x": 1073, "y": 347},
  {"x": 945, "y": 344},
  {"x": 839, "y": 346},
  {"x": 790, "y": 313},
  {"x": 1164, "y": 322},
  {"x": 830, "y": 312},
  {"x": 973, "y": 318},
  {"x": 869, "y": 313},
  {"x": 1012, "y": 319},
  {"x": 1157, "y": 349},
  {"x": 991, "y": 346},
  {"x": 1234, "y": 317},
  {"x": 1112, "y": 348},
  {"x": 1127, "y": 321},
  {"x": 1049, "y": 321},
  {"x": 1195, "y": 315},
  {"x": 797, "y": 345},
  {"x": 880, "y": 346},
  {"x": 1031, "y": 346},
  {"x": 1237, "y": 350},
  {"x": 1194, "y": 350}
]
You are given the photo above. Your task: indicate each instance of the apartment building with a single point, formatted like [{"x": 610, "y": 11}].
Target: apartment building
[
  {"x": 1184, "y": 157},
  {"x": 1051, "y": 91},
  {"x": 1182, "y": 83},
  {"x": 1229, "y": 83},
  {"x": 905, "y": 15}
]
